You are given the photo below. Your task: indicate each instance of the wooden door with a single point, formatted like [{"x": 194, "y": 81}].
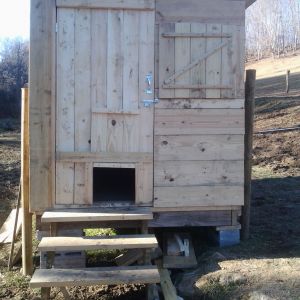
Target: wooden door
[{"x": 105, "y": 67}]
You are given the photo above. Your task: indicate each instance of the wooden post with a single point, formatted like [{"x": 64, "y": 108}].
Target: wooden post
[
  {"x": 249, "y": 117},
  {"x": 287, "y": 79},
  {"x": 27, "y": 216}
]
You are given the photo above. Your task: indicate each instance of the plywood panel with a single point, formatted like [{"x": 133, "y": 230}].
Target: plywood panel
[
  {"x": 198, "y": 196},
  {"x": 42, "y": 109},
  {"x": 199, "y": 121},
  {"x": 196, "y": 173},
  {"x": 199, "y": 147}
]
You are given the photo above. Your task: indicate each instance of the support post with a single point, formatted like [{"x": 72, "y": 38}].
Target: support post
[
  {"x": 27, "y": 216},
  {"x": 249, "y": 117},
  {"x": 287, "y": 81}
]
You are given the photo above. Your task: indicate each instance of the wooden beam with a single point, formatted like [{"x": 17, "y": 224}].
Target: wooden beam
[
  {"x": 27, "y": 216},
  {"x": 249, "y": 116},
  {"x": 113, "y": 4}
]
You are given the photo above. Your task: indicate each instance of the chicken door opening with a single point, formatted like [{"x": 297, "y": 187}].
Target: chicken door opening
[{"x": 113, "y": 185}]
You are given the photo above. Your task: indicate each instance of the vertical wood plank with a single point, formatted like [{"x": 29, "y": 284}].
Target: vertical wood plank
[
  {"x": 166, "y": 59},
  {"x": 182, "y": 58},
  {"x": 146, "y": 66},
  {"x": 144, "y": 180},
  {"x": 115, "y": 59},
  {"x": 42, "y": 144},
  {"x": 83, "y": 183},
  {"x": 115, "y": 127},
  {"x": 82, "y": 99},
  {"x": 98, "y": 58},
  {"x": 99, "y": 132},
  {"x": 213, "y": 63},
  {"x": 198, "y": 48},
  {"x": 227, "y": 69},
  {"x": 65, "y": 106}
]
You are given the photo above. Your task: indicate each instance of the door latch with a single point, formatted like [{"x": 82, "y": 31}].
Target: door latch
[
  {"x": 149, "y": 78},
  {"x": 149, "y": 102}
]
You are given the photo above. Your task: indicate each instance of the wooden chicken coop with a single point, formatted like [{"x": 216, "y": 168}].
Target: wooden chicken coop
[{"x": 136, "y": 115}]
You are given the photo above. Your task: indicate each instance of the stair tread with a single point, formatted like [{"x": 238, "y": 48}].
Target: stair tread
[
  {"x": 94, "y": 276},
  {"x": 97, "y": 214},
  {"x": 95, "y": 243}
]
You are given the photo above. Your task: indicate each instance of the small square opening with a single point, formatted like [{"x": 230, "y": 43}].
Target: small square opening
[{"x": 111, "y": 185}]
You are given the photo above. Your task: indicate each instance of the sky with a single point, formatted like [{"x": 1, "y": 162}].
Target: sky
[{"x": 14, "y": 19}]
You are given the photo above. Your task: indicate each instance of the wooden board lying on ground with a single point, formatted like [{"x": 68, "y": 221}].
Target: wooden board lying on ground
[
  {"x": 97, "y": 243},
  {"x": 6, "y": 231},
  {"x": 94, "y": 276}
]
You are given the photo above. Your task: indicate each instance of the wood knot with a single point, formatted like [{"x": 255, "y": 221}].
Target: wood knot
[{"x": 113, "y": 122}]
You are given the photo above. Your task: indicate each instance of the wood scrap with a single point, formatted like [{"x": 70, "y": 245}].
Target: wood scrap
[{"x": 7, "y": 229}]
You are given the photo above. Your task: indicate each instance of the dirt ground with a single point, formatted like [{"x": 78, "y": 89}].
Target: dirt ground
[{"x": 267, "y": 266}]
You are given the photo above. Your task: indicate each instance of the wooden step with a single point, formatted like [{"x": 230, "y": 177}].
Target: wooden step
[
  {"x": 94, "y": 276},
  {"x": 97, "y": 243},
  {"x": 97, "y": 214}
]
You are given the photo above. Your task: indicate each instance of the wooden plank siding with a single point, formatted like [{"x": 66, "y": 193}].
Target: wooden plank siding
[{"x": 199, "y": 121}]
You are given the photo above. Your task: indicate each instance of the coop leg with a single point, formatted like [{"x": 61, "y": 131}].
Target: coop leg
[{"x": 45, "y": 293}]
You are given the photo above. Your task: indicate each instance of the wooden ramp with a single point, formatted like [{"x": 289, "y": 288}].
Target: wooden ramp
[{"x": 62, "y": 278}]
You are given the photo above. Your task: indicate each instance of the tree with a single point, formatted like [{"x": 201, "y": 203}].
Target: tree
[{"x": 14, "y": 58}]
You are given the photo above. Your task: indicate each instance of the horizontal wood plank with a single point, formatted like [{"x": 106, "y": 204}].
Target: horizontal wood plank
[
  {"x": 97, "y": 214},
  {"x": 199, "y": 121},
  {"x": 97, "y": 243},
  {"x": 197, "y": 173},
  {"x": 198, "y": 196},
  {"x": 212, "y": 11},
  {"x": 94, "y": 276},
  {"x": 113, "y": 4},
  {"x": 107, "y": 157},
  {"x": 192, "y": 218},
  {"x": 200, "y": 103},
  {"x": 198, "y": 147}
]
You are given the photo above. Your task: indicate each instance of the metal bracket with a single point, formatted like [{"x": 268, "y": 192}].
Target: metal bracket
[
  {"x": 149, "y": 78},
  {"x": 149, "y": 102}
]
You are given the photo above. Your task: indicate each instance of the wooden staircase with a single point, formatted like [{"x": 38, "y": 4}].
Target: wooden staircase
[{"x": 62, "y": 278}]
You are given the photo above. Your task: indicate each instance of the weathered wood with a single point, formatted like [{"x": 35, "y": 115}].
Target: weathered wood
[
  {"x": 97, "y": 243},
  {"x": 113, "y": 4},
  {"x": 196, "y": 121},
  {"x": 197, "y": 173},
  {"x": 14, "y": 235},
  {"x": 198, "y": 148},
  {"x": 123, "y": 157},
  {"x": 102, "y": 214},
  {"x": 198, "y": 196},
  {"x": 7, "y": 228},
  {"x": 94, "y": 276},
  {"x": 249, "y": 117},
  {"x": 287, "y": 82},
  {"x": 213, "y": 11},
  {"x": 27, "y": 263},
  {"x": 41, "y": 85},
  {"x": 192, "y": 103},
  {"x": 130, "y": 257},
  {"x": 65, "y": 293},
  {"x": 195, "y": 218}
]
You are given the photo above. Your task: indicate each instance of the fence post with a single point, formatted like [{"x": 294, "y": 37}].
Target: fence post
[
  {"x": 27, "y": 216},
  {"x": 249, "y": 117},
  {"x": 287, "y": 81}
]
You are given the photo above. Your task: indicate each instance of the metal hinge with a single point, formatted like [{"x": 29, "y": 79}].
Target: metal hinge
[{"x": 149, "y": 102}]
